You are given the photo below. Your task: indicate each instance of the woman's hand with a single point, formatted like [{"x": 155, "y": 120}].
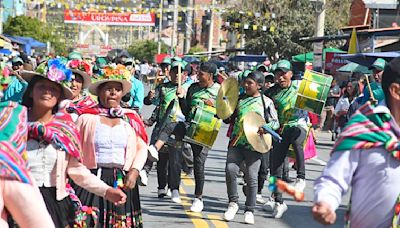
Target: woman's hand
[
  {"x": 209, "y": 102},
  {"x": 117, "y": 196},
  {"x": 130, "y": 179}
]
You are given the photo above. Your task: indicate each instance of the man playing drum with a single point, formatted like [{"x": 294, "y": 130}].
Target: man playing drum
[
  {"x": 293, "y": 130},
  {"x": 239, "y": 148},
  {"x": 200, "y": 95},
  {"x": 170, "y": 121}
]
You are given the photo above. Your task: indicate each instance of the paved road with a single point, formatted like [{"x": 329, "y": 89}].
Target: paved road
[{"x": 164, "y": 213}]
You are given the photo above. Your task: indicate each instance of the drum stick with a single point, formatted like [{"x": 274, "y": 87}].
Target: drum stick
[
  {"x": 179, "y": 76},
  {"x": 156, "y": 80},
  {"x": 372, "y": 98}
]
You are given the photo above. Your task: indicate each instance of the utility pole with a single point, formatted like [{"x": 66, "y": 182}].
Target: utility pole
[
  {"x": 160, "y": 22},
  {"x": 189, "y": 26},
  {"x": 211, "y": 30},
  {"x": 175, "y": 27},
  {"x": 319, "y": 32}
]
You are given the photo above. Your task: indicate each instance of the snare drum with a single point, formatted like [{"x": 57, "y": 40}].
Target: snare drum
[{"x": 204, "y": 127}]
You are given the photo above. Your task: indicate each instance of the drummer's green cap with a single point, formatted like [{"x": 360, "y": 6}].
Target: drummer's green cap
[
  {"x": 176, "y": 58},
  {"x": 244, "y": 75},
  {"x": 167, "y": 61},
  {"x": 75, "y": 56},
  {"x": 262, "y": 68},
  {"x": 17, "y": 60},
  {"x": 182, "y": 64},
  {"x": 379, "y": 64},
  {"x": 283, "y": 65}
]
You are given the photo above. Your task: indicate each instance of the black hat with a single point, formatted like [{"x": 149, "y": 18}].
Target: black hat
[
  {"x": 208, "y": 67},
  {"x": 391, "y": 74},
  {"x": 258, "y": 77}
]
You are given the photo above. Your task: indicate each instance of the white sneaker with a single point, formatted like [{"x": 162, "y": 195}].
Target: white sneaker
[
  {"x": 300, "y": 185},
  {"x": 162, "y": 193},
  {"x": 269, "y": 205},
  {"x": 197, "y": 205},
  {"x": 279, "y": 209},
  {"x": 259, "y": 199},
  {"x": 175, "y": 196},
  {"x": 231, "y": 212},
  {"x": 153, "y": 153},
  {"x": 143, "y": 177},
  {"x": 249, "y": 217},
  {"x": 169, "y": 192}
]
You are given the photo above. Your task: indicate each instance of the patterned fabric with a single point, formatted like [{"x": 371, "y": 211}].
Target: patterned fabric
[
  {"x": 60, "y": 131},
  {"x": 246, "y": 105},
  {"x": 196, "y": 96},
  {"x": 12, "y": 164},
  {"x": 371, "y": 127},
  {"x": 128, "y": 115},
  {"x": 84, "y": 102},
  {"x": 285, "y": 101}
]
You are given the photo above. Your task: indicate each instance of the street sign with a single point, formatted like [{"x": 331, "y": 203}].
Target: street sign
[{"x": 109, "y": 18}]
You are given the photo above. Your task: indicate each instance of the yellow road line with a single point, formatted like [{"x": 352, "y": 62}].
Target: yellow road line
[
  {"x": 197, "y": 218},
  {"x": 217, "y": 221},
  {"x": 187, "y": 180}
]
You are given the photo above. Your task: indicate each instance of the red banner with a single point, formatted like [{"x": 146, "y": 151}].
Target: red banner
[
  {"x": 128, "y": 19},
  {"x": 333, "y": 62}
]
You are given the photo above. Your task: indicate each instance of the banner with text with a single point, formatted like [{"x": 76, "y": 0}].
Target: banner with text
[{"x": 109, "y": 18}]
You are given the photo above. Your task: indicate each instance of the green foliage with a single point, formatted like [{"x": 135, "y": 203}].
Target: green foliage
[
  {"x": 195, "y": 49},
  {"x": 286, "y": 21},
  {"x": 32, "y": 27},
  {"x": 146, "y": 49}
]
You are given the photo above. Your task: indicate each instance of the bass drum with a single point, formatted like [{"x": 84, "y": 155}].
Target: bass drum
[{"x": 204, "y": 127}]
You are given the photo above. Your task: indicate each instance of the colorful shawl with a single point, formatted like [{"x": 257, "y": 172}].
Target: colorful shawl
[
  {"x": 370, "y": 128},
  {"x": 13, "y": 125},
  {"x": 12, "y": 164},
  {"x": 128, "y": 115},
  {"x": 84, "y": 102},
  {"x": 61, "y": 131}
]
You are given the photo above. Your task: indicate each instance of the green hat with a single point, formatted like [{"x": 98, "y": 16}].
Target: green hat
[
  {"x": 75, "y": 55},
  {"x": 182, "y": 64},
  {"x": 283, "y": 65},
  {"x": 129, "y": 60},
  {"x": 262, "y": 67},
  {"x": 17, "y": 60},
  {"x": 101, "y": 62},
  {"x": 379, "y": 64},
  {"x": 176, "y": 58},
  {"x": 166, "y": 60},
  {"x": 244, "y": 75}
]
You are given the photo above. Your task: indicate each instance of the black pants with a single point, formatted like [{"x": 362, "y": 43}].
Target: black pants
[
  {"x": 296, "y": 137},
  {"x": 199, "y": 159},
  {"x": 263, "y": 172}
]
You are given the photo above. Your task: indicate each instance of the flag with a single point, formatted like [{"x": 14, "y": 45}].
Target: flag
[{"x": 353, "y": 43}]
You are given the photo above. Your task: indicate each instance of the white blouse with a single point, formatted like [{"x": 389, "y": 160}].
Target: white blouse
[
  {"x": 110, "y": 144},
  {"x": 42, "y": 162},
  {"x": 342, "y": 105}
]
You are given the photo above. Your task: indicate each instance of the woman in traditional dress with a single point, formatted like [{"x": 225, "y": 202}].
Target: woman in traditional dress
[
  {"x": 53, "y": 146},
  {"x": 115, "y": 147},
  {"x": 17, "y": 190}
]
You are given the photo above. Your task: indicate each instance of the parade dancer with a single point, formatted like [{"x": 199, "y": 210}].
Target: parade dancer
[
  {"x": 240, "y": 150},
  {"x": 19, "y": 195},
  {"x": 114, "y": 145},
  {"x": 80, "y": 81},
  {"x": 53, "y": 147},
  {"x": 293, "y": 130},
  {"x": 202, "y": 93},
  {"x": 170, "y": 121},
  {"x": 17, "y": 85},
  {"x": 366, "y": 158}
]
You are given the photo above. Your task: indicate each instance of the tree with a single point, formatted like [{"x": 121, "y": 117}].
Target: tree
[
  {"x": 146, "y": 49},
  {"x": 32, "y": 27},
  {"x": 286, "y": 21}
]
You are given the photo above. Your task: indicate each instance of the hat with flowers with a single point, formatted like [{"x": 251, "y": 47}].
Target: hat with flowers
[
  {"x": 53, "y": 70},
  {"x": 82, "y": 68},
  {"x": 5, "y": 78},
  {"x": 112, "y": 73}
]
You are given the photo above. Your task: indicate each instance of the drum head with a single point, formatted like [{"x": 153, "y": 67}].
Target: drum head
[{"x": 251, "y": 123}]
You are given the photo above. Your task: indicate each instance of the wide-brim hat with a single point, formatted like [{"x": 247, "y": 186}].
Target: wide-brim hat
[
  {"x": 87, "y": 80},
  {"x": 126, "y": 85},
  {"x": 28, "y": 75}
]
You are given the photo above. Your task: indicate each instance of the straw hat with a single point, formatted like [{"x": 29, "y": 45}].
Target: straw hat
[
  {"x": 53, "y": 70},
  {"x": 113, "y": 73},
  {"x": 84, "y": 69}
]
